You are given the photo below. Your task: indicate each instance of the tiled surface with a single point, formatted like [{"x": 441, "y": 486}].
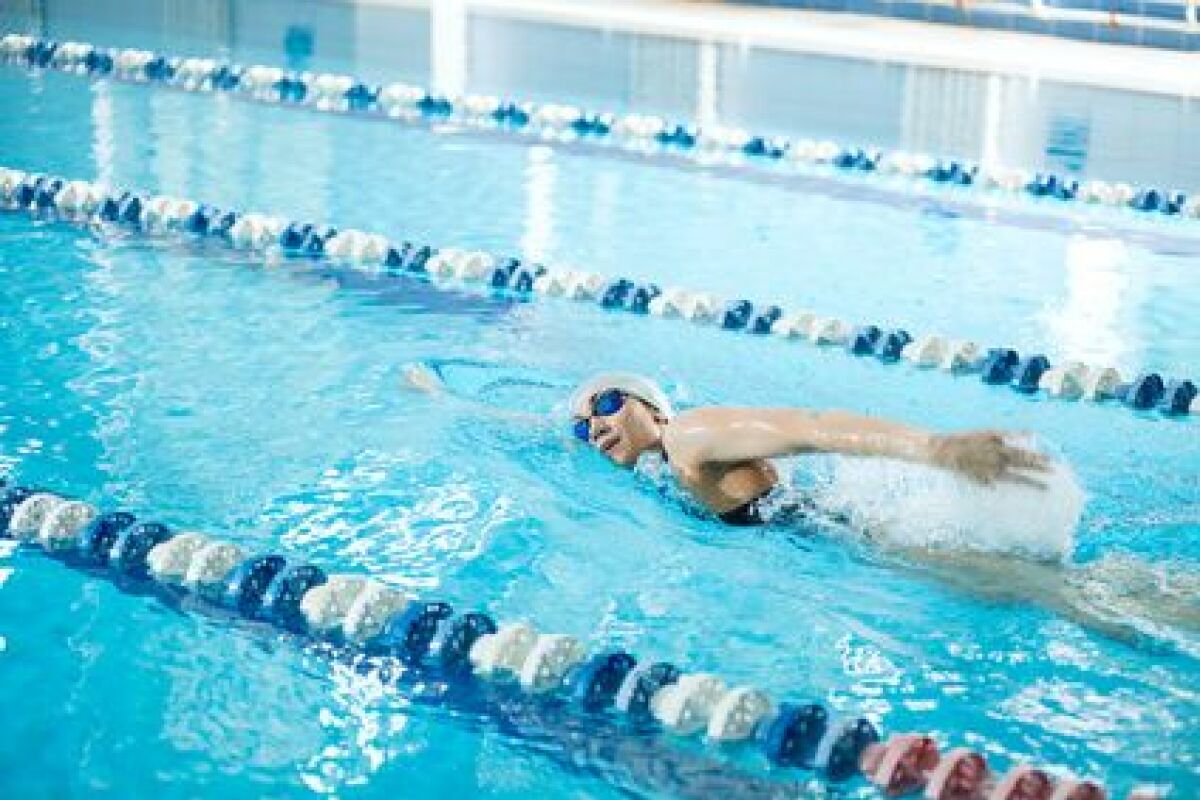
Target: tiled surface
[
  {"x": 1128, "y": 30},
  {"x": 1164, "y": 9}
]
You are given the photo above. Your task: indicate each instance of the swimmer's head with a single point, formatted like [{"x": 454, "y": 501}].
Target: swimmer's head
[{"x": 620, "y": 414}]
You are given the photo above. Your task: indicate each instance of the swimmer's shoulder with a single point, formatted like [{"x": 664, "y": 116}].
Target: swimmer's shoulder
[{"x": 680, "y": 435}]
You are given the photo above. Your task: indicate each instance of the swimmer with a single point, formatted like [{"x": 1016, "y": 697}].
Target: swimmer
[{"x": 722, "y": 456}]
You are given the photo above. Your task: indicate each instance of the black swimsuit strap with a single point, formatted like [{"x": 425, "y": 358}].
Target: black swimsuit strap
[{"x": 745, "y": 515}]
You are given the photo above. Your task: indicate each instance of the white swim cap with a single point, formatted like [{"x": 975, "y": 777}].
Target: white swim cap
[{"x": 633, "y": 385}]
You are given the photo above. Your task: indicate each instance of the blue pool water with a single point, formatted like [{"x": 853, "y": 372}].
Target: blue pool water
[{"x": 264, "y": 404}]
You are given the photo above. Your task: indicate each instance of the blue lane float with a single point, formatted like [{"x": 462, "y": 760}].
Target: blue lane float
[
  {"x": 97, "y": 538},
  {"x": 1000, "y": 365},
  {"x": 594, "y": 684},
  {"x": 952, "y": 172},
  {"x": 866, "y": 337},
  {"x": 281, "y": 600},
  {"x": 132, "y": 546},
  {"x": 1027, "y": 375},
  {"x": 765, "y": 319},
  {"x": 79, "y": 202},
  {"x": 1179, "y": 396},
  {"x": 891, "y": 345},
  {"x": 346, "y": 94},
  {"x": 1144, "y": 393}
]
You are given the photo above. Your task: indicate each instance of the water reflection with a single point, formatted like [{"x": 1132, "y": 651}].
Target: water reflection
[
  {"x": 537, "y": 243},
  {"x": 1097, "y": 320}
]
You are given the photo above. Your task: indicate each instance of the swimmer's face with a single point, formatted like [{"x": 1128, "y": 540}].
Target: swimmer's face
[{"x": 625, "y": 434}]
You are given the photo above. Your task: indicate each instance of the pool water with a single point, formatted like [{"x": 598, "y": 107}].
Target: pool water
[{"x": 266, "y": 404}]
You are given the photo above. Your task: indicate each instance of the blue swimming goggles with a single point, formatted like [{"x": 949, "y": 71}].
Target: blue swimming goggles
[{"x": 604, "y": 404}]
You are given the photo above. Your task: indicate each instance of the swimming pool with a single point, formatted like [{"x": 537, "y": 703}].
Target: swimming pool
[{"x": 264, "y": 404}]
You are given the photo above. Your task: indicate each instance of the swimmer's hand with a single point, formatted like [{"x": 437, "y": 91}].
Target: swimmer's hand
[
  {"x": 421, "y": 378},
  {"x": 984, "y": 457}
]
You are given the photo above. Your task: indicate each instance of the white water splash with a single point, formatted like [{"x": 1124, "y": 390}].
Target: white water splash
[{"x": 916, "y": 506}]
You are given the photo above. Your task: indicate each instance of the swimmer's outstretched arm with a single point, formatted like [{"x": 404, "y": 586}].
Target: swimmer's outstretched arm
[
  {"x": 421, "y": 377},
  {"x": 717, "y": 435}
]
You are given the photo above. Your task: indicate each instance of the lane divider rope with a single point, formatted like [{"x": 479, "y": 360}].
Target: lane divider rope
[
  {"x": 367, "y": 617},
  {"x": 268, "y": 236},
  {"x": 555, "y": 121}
]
